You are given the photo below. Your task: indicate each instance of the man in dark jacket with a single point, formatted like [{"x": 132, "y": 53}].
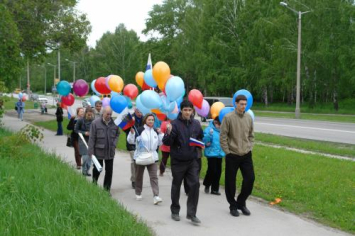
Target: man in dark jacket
[
  {"x": 184, "y": 160},
  {"x": 138, "y": 122},
  {"x": 102, "y": 143}
]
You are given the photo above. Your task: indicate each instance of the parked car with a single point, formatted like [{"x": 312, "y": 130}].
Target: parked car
[
  {"x": 42, "y": 99},
  {"x": 228, "y": 102},
  {"x": 34, "y": 97}
]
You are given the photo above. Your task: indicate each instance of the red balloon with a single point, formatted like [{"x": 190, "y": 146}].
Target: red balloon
[
  {"x": 23, "y": 99},
  {"x": 145, "y": 86},
  {"x": 131, "y": 91},
  {"x": 161, "y": 116},
  {"x": 68, "y": 100},
  {"x": 100, "y": 86},
  {"x": 196, "y": 98},
  {"x": 62, "y": 105}
]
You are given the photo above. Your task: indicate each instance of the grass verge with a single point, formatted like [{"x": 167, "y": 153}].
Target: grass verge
[
  {"x": 305, "y": 116},
  {"x": 320, "y": 188},
  {"x": 9, "y": 103},
  {"x": 43, "y": 196},
  {"x": 309, "y": 145}
]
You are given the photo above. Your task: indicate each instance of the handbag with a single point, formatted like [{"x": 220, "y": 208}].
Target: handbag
[
  {"x": 69, "y": 141},
  {"x": 145, "y": 158}
]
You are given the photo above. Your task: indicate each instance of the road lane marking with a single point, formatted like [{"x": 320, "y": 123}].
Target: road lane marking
[{"x": 303, "y": 127}]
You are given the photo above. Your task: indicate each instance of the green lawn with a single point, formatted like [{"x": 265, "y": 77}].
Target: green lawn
[
  {"x": 310, "y": 145},
  {"x": 311, "y": 185},
  {"x": 41, "y": 195},
  {"x": 305, "y": 116}
]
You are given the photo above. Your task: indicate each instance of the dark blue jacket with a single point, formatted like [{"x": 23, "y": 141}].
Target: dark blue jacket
[{"x": 178, "y": 140}]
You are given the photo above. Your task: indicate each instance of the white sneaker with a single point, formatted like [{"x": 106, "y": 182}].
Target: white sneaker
[
  {"x": 157, "y": 200},
  {"x": 139, "y": 197}
]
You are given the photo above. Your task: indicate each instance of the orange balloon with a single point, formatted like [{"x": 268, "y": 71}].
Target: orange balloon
[
  {"x": 140, "y": 78},
  {"x": 156, "y": 111},
  {"x": 161, "y": 73},
  {"x": 216, "y": 108},
  {"x": 161, "y": 117},
  {"x": 115, "y": 83}
]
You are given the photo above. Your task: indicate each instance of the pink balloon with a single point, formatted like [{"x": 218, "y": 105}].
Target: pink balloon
[
  {"x": 80, "y": 87},
  {"x": 106, "y": 102},
  {"x": 205, "y": 109}
]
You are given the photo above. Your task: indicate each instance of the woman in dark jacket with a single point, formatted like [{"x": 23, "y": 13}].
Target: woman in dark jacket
[
  {"x": 82, "y": 126},
  {"x": 59, "y": 115},
  {"x": 74, "y": 135}
]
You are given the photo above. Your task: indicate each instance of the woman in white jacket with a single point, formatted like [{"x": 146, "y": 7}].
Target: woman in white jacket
[{"x": 148, "y": 140}]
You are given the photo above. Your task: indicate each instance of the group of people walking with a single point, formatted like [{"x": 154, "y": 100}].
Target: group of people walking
[{"x": 233, "y": 139}]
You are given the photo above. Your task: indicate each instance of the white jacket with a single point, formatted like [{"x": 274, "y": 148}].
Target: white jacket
[{"x": 149, "y": 141}]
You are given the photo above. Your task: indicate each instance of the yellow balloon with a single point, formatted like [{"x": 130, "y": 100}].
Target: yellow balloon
[
  {"x": 140, "y": 78},
  {"x": 216, "y": 108},
  {"x": 115, "y": 83},
  {"x": 161, "y": 72}
]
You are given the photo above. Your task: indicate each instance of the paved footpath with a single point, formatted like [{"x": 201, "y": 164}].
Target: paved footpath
[{"x": 212, "y": 210}]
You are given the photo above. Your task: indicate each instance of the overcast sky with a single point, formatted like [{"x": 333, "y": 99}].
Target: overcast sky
[{"x": 106, "y": 15}]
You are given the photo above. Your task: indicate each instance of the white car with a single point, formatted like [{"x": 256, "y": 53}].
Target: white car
[{"x": 42, "y": 99}]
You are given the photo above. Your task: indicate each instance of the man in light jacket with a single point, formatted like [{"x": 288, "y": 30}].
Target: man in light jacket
[
  {"x": 102, "y": 143},
  {"x": 237, "y": 138}
]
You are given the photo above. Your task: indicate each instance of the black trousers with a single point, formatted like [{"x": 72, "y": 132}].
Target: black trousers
[
  {"x": 188, "y": 171},
  {"x": 108, "y": 173},
  {"x": 186, "y": 186},
  {"x": 213, "y": 174},
  {"x": 233, "y": 163}
]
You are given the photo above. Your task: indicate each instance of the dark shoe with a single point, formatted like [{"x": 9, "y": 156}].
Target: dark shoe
[
  {"x": 193, "y": 219},
  {"x": 245, "y": 210},
  {"x": 88, "y": 174},
  {"x": 215, "y": 193},
  {"x": 207, "y": 189},
  {"x": 133, "y": 185},
  {"x": 175, "y": 217},
  {"x": 234, "y": 212}
]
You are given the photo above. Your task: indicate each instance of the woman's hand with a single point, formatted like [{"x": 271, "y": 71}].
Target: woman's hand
[
  {"x": 132, "y": 131},
  {"x": 159, "y": 130},
  {"x": 168, "y": 128}
]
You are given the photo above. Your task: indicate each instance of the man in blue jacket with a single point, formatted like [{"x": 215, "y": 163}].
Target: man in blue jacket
[{"x": 184, "y": 160}]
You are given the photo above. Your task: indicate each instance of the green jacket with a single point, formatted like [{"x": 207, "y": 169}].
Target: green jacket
[{"x": 237, "y": 133}]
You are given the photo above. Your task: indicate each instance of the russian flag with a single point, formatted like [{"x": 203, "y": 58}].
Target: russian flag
[
  {"x": 148, "y": 67},
  {"x": 196, "y": 143},
  {"x": 124, "y": 120}
]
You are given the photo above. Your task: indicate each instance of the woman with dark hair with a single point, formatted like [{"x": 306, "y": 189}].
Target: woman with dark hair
[
  {"x": 74, "y": 135},
  {"x": 214, "y": 154},
  {"x": 147, "y": 140},
  {"x": 83, "y": 126},
  {"x": 59, "y": 115}
]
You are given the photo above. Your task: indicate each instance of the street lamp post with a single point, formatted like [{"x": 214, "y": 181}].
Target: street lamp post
[
  {"x": 74, "y": 62},
  {"x": 298, "y": 94}
]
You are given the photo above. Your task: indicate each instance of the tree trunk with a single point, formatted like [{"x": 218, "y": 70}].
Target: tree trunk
[
  {"x": 335, "y": 100},
  {"x": 265, "y": 96}
]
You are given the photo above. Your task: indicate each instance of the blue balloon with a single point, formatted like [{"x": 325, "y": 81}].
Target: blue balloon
[
  {"x": 129, "y": 102},
  {"x": 149, "y": 79},
  {"x": 179, "y": 101},
  {"x": 20, "y": 95},
  {"x": 141, "y": 107},
  {"x": 251, "y": 113},
  {"x": 150, "y": 99},
  {"x": 113, "y": 93},
  {"x": 247, "y": 94},
  {"x": 63, "y": 88},
  {"x": 172, "y": 116},
  {"x": 171, "y": 106},
  {"x": 118, "y": 103},
  {"x": 174, "y": 88},
  {"x": 224, "y": 112},
  {"x": 93, "y": 100},
  {"x": 93, "y": 87}
]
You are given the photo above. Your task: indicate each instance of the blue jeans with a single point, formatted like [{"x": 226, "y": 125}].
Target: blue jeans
[
  {"x": 20, "y": 114},
  {"x": 60, "y": 128},
  {"x": 85, "y": 167}
]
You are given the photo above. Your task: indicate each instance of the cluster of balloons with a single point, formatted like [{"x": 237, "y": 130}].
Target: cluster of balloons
[
  {"x": 22, "y": 97},
  {"x": 80, "y": 88},
  {"x": 219, "y": 109},
  {"x": 166, "y": 103}
]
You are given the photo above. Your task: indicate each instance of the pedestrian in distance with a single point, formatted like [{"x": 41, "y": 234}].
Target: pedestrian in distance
[
  {"x": 181, "y": 136},
  {"x": 82, "y": 126},
  {"x": 214, "y": 155},
  {"x": 102, "y": 143},
  {"x": 59, "y": 115},
  {"x": 237, "y": 138},
  {"x": 97, "y": 109},
  {"x": 20, "y": 107},
  {"x": 147, "y": 140},
  {"x": 74, "y": 135}
]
